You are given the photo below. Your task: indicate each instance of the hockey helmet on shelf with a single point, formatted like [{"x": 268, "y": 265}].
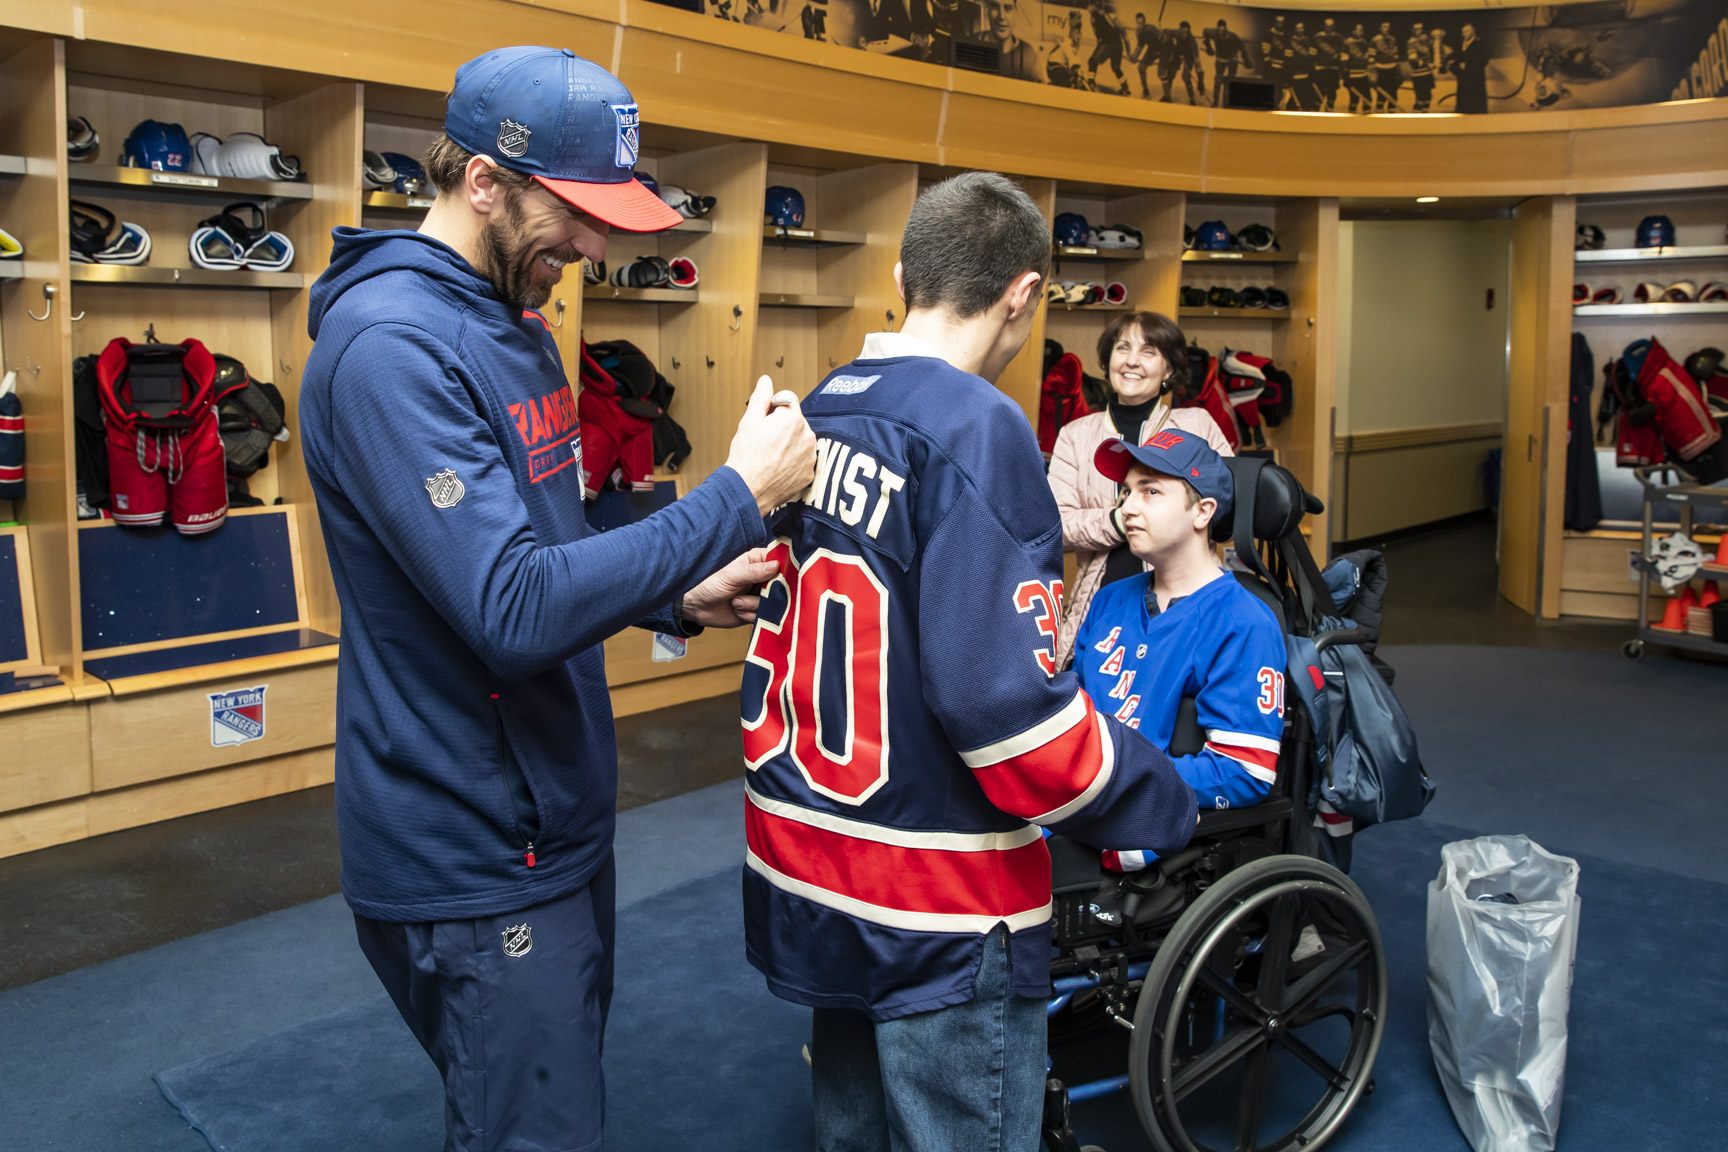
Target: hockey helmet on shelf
[
  {"x": 1277, "y": 298},
  {"x": 375, "y": 171},
  {"x": 158, "y": 146},
  {"x": 1256, "y": 238},
  {"x": 410, "y": 176},
  {"x": 1193, "y": 296},
  {"x": 1589, "y": 238},
  {"x": 1212, "y": 236},
  {"x": 1071, "y": 228},
  {"x": 1253, "y": 298},
  {"x": 1223, "y": 296},
  {"x": 784, "y": 207},
  {"x": 1655, "y": 232},
  {"x": 82, "y": 140}
]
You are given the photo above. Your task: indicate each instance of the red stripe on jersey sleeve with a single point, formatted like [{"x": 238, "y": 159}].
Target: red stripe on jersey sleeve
[
  {"x": 1261, "y": 763},
  {"x": 1001, "y": 882},
  {"x": 1040, "y": 782}
]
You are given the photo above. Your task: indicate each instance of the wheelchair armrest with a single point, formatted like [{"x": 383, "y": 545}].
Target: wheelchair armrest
[{"x": 1216, "y": 821}]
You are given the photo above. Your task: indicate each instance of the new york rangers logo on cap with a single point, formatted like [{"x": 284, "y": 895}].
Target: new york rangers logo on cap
[
  {"x": 629, "y": 134},
  {"x": 513, "y": 138}
]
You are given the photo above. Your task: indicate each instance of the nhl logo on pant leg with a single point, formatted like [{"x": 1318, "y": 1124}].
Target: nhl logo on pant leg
[
  {"x": 446, "y": 491},
  {"x": 513, "y": 139},
  {"x": 518, "y": 939}
]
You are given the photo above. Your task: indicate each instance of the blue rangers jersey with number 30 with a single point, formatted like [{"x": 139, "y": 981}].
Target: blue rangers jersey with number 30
[{"x": 905, "y": 729}]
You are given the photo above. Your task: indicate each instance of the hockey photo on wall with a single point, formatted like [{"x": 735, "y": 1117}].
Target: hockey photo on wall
[{"x": 1587, "y": 55}]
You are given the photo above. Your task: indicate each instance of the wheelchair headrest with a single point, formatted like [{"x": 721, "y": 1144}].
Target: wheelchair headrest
[{"x": 1279, "y": 502}]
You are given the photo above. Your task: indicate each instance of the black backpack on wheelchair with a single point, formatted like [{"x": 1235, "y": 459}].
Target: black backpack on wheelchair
[{"x": 1241, "y": 980}]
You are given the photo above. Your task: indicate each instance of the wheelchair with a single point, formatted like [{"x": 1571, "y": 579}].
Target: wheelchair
[{"x": 1242, "y": 979}]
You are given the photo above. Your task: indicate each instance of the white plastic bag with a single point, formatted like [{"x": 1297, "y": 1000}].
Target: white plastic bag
[{"x": 1502, "y": 936}]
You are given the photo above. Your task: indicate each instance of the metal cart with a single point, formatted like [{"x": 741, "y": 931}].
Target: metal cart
[{"x": 1687, "y": 497}]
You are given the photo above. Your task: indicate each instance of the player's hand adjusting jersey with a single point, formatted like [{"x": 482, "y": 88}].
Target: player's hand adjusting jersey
[{"x": 904, "y": 727}]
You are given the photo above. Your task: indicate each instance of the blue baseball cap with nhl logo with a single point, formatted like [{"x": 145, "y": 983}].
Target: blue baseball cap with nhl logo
[
  {"x": 1171, "y": 452},
  {"x": 563, "y": 120}
]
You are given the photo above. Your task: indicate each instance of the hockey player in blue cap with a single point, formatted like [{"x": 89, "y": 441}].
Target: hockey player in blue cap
[
  {"x": 1185, "y": 628},
  {"x": 476, "y": 770}
]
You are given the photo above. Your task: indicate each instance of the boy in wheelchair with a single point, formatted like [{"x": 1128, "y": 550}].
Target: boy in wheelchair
[{"x": 1186, "y": 629}]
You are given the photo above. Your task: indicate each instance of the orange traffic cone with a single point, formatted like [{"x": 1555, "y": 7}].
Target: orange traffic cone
[
  {"x": 1710, "y": 594},
  {"x": 1720, "y": 563},
  {"x": 1674, "y": 615}
]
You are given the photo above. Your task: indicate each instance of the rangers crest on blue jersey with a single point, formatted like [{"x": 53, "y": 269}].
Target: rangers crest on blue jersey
[{"x": 237, "y": 717}]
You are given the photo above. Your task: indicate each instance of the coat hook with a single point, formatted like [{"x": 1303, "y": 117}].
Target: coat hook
[
  {"x": 675, "y": 364},
  {"x": 737, "y": 320},
  {"x": 48, "y": 308},
  {"x": 831, "y": 363},
  {"x": 890, "y": 319},
  {"x": 287, "y": 368},
  {"x": 558, "y": 306},
  {"x": 780, "y": 363},
  {"x": 710, "y": 360},
  {"x": 35, "y": 368},
  {"x": 150, "y": 334}
]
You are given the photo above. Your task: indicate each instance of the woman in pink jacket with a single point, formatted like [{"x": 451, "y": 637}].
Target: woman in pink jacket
[{"x": 1144, "y": 359}]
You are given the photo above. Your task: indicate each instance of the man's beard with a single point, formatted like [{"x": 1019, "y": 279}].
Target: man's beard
[{"x": 509, "y": 258}]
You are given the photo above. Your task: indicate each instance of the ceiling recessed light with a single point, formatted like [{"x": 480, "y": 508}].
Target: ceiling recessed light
[{"x": 1427, "y": 199}]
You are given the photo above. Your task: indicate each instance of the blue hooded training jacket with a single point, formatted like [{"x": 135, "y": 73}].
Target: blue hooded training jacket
[{"x": 476, "y": 772}]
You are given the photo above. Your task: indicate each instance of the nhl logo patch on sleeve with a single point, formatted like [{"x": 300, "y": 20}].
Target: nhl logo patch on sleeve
[
  {"x": 446, "y": 491},
  {"x": 237, "y": 717}
]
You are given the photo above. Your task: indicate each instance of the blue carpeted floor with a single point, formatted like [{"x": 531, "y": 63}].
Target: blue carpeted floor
[{"x": 1590, "y": 755}]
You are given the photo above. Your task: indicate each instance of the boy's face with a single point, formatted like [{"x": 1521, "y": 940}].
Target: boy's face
[{"x": 1157, "y": 517}]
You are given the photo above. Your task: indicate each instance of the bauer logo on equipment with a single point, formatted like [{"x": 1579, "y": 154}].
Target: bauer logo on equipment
[{"x": 237, "y": 717}]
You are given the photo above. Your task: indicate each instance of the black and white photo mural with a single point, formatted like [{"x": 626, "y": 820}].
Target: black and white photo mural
[{"x": 1587, "y": 55}]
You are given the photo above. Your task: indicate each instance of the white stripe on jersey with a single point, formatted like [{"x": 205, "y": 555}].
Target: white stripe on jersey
[
  {"x": 899, "y": 837},
  {"x": 1244, "y": 740},
  {"x": 1031, "y": 739}
]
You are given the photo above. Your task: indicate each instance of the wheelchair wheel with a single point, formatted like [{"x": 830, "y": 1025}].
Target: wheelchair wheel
[{"x": 1262, "y": 1012}]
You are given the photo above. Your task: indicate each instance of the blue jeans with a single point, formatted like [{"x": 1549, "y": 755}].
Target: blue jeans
[{"x": 969, "y": 1078}]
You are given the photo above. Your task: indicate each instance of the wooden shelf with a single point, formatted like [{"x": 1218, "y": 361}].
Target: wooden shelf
[
  {"x": 1098, "y": 307},
  {"x": 187, "y": 183},
  {"x": 803, "y": 300},
  {"x": 1651, "y": 255},
  {"x": 11, "y": 165},
  {"x": 183, "y": 277},
  {"x": 1087, "y": 252},
  {"x": 1236, "y": 258},
  {"x": 1234, "y": 313},
  {"x": 812, "y": 237},
  {"x": 640, "y": 295},
  {"x": 1714, "y": 308},
  {"x": 396, "y": 202},
  {"x": 692, "y": 226},
  {"x": 11, "y": 269}
]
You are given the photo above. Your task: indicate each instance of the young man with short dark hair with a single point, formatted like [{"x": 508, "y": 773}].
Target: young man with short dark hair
[
  {"x": 1184, "y": 629},
  {"x": 906, "y": 729}
]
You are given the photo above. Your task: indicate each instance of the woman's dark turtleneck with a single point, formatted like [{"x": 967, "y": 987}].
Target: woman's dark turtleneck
[{"x": 1129, "y": 418}]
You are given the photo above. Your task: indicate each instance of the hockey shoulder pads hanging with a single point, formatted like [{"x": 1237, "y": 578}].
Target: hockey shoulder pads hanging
[
  {"x": 1061, "y": 400},
  {"x": 155, "y": 385}
]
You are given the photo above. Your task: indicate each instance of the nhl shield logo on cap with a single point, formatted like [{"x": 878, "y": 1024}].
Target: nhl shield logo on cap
[
  {"x": 513, "y": 138},
  {"x": 445, "y": 490},
  {"x": 629, "y": 134},
  {"x": 518, "y": 939}
]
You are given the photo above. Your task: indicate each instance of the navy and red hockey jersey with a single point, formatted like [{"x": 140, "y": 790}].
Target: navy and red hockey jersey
[
  {"x": 905, "y": 728},
  {"x": 1221, "y": 646}
]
